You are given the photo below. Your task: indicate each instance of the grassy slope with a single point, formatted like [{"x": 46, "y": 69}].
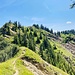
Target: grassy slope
[
  {"x": 29, "y": 53},
  {"x": 58, "y": 45},
  {"x": 22, "y": 69},
  {"x": 60, "y": 72},
  {"x": 35, "y": 56},
  {"x": 61, "y": 49},
  {"x": 6, "y": 68}
]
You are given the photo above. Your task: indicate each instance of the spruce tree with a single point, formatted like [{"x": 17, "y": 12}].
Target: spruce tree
[
  {"x": 8, "y": 32},
  {"x": 38, "y": 40},
  {"x": 40, "y": 35},
  {"x": 32, "y": 44},
  {"x": 25, "y": 40},
  {"x": 20, "y": 37},
  {"x": 15, "y": 26},
  {"x": 27, "y": 29},
  {"x": 16, "y": 39},
  {"x": 41, "y": 50},
  {"x": 23, "y": 29},
  {"x": 3, "y": 31},
  {"x": 51, "y": 31},
  {"x": 35, "y": 34}
]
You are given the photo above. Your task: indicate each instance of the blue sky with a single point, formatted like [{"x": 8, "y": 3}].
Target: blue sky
[{"x": 53, "y": 14}]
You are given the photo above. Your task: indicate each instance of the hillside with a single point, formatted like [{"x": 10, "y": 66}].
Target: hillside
[
  {"x": 27, "y": 62},
  {"x": 35, "y": 50}
]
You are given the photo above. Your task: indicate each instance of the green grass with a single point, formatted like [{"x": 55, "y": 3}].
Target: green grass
[
  {"x": 35, "y": 56},
  {"x": 59, "y": 71},
  {"x": 64, "y": 35},
  {"x": 50, "y": 70},
  {"x": 22, "y": 69},
  {"x": 29, "y": 53},
  {"x": 6, "y": 68},
  {"x": 61, "y": 49}
]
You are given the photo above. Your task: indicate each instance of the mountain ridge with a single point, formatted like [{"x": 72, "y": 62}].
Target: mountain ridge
[{"x": 44, "y": 44}]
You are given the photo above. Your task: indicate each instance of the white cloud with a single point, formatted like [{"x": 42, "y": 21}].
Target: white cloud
[
  {"x": 25, "y": 17},
  {"x": 37, "y": 19},
  {"x": 68, "y": 22}
]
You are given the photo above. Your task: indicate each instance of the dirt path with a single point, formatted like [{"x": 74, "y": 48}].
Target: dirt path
[
  {"x": 16, "y": 71},
  {"x": 14, "y": 62},
  {"x": 33, "y": 68},
  {"x": 13, "y": 31}
]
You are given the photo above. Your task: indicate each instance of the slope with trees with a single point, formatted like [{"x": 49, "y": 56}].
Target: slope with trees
[{"x": 38, "y": 39}]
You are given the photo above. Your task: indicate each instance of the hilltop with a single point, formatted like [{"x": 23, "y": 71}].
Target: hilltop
[{"x": 36, "y": 50}]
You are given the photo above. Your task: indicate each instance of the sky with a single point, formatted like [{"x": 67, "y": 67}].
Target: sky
[{"x": 55, "y": 14}]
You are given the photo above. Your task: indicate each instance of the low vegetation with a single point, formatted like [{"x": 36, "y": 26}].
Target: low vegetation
[{"x": 38, "y": 42}]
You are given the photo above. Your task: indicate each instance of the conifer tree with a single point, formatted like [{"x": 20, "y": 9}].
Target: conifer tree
[
  {"x": 25, "y": 40},
  {"x": 23, "y": 29},
  {"x": 20, "y": 37},
  {"x": 16, "y": 39},
  {"x": 3, "y": 31},
  {"x": 15, "y": 26},
  {"x": 41, "y": 50},
  {"x": 8, "y": 32},
  {"x": 32, "y": 44},
  {"x": 51, "y": 31},
  {"x": 38, "y": 40},
  {"x": 35, "y": 34},
  {"x": 27, "y": 29},
  {"x": 40, "y": 35}
]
